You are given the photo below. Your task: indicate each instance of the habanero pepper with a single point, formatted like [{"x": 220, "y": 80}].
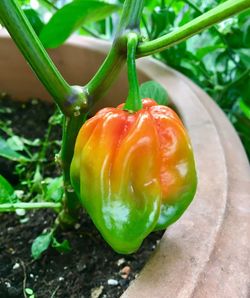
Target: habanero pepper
[{"x": 133, "y": 172}]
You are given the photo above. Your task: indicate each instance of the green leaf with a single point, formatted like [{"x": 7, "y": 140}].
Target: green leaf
[
  {"x": 61, "y": 247},
  {"x": 235, "y": 38},
  {"x": 70, "y": 17},
  {"x": 54, "y": 190},
  {"x": 154, "y": 90},
  {"x": 162, "y": 19},
  {"x": 6, "y": 190},
  {"x": 7, "y": 152},
  {"x": 15, "y": 143},
  {"x": 29, "y": 291},
  {"x": 244, "y": 108},
  {"x": 242, "y": 124},
  {"x": 40, "y": 244},
  {"x": 56, "y": 118},
  {"x": 243, "y": 88},
  {"x": 34, "y": 19},
  {"x": 202, "y": 52},
  {"x": 34, "y": 143},
  {"x": 151, "y": 3},
  {"x": 37, "y": 179},
  {"x": 244, "y": 56},
  {"x": 221, "y": 61},
  {"x": 246, "y": 33}
]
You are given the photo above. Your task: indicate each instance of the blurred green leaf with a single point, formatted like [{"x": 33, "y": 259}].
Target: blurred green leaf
[
  {"x": 244, "y": 56},
  {"x": 243, "y": 17},
  {"x": 37, "y": 179},
  {"x": 235, "y": 38},
  {"x": 56, "y": 119},
  {"x": 162, "y": 19},
  {"x": 54, "y": 189},
  {"x": 24, "y": 2},
  {"x": 221, "y": 61},
  {"x": 61, "y": 246},
  {"x": 245, "y": 109},
  {"x": 15, "y": 143},
  {"x": 6, "y": 190},
  {"x": 7, "y": 152},
  {"x": 151, "y": 3},
  {"x": 154, "y": 90},
  {"x": 246, "y": 33},
  {"x": 34, "y": 19},
  {"x": 202, "y": 52},
  {"x": 41, "y": 244},
  {"x": 70, "y": 17},
  {"x": 244, "y": 90},
  {"x": 242, "y": 124}
]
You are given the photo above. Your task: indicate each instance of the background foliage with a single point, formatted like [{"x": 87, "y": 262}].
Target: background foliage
[{"x": 218, "y": 59}]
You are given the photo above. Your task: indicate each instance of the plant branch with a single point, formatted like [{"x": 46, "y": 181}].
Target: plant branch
[
  {"x": 133, "y": 102},
  {"x": 71, "y": 126},
  {"x": 131, "y": 16},
  {"x": 107, "y": 73},
  {"x": 208, "y": 19},
  {"x": 67, "y": 97},
  {"x": 10, "y": 207}
]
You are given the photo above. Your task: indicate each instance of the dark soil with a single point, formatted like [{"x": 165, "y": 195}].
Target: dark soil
[{"x": 91, "y": 268}]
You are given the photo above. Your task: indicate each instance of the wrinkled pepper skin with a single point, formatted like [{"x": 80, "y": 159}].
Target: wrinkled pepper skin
[{"x": 133, "y": 172}]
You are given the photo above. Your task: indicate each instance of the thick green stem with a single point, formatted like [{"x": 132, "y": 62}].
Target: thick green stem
[
  {"x": 108, "y": 72},
  {"x": 9, "y": 207},
  {"x": 67, "y": 97},
  {"x": 208, "y": 19},
  {"x": 71, "y": 126},
  {"x": 133, "y": 102},
  {"x": 105, "y": 75},
  {"x": 131, "y": 16}
]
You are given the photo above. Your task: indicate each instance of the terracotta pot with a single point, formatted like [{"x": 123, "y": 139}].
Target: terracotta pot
[{"x": 207, "y": 252}]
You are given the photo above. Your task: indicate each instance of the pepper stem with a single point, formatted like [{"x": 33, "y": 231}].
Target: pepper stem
[{"x": 133, "y": 102}]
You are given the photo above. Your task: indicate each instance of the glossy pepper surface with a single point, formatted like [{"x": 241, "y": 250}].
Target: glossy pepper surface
[{"x": 133, "y": 172}]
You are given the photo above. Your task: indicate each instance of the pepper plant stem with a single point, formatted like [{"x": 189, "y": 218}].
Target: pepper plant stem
[
  {"x": 133, "y": 102},
  {"x": 107, "y": 73},
  {"x": 9, "y": 207},
  {"x": 71, "y": 203},
  {"x": 131, "y": 16},
  {"x": 29, "y": 44},
  {"x": 206, "y": 20}
]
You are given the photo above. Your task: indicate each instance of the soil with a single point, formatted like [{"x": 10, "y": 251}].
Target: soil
[{"x": 91, "y": 268}]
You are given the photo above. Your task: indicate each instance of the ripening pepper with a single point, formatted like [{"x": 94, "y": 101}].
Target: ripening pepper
[{"x": 133, "y": 172}]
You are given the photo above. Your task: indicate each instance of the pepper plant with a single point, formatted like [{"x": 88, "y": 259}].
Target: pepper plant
[{"x": 157, "y": 204}]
